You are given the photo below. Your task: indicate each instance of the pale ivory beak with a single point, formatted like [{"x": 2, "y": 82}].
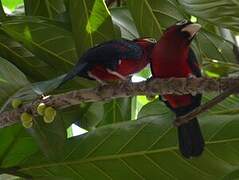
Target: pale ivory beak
[{"x": 192, "y": 29}]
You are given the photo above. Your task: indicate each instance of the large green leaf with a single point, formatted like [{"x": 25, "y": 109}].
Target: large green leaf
[
  {"x": 48, "y": 8},
  {"x": 11, "y": 79},
  {"x": 93, "y": 115},
  {"x": 122, "y": 18},
  {"x": 45, "y": 39},
  {"x": 84, "y": 115},
  {"x": 214, "y": 47},
  {"x": 227, "y": 106},
  {"x": 115, "y": 111},
  {"x": 222, "y": 12},
  {"x": 27, "y": 62},
  {"x": 16, "y": 146},
  {"x": 154, "y": 14},
  {"x": 91, "y": 23},
  {"x": 144, "y": 149},
  {"x": 155, "y": 108},
  {"x": 50, "y": 136}
]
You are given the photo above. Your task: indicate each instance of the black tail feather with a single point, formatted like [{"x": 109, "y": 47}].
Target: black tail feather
[
  {"x": 77, "y": 70},
  {"x": 191, "y": 142}
]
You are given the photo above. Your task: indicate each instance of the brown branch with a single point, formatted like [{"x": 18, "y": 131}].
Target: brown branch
[
  {"x": 176, "y": 86},
  {"x": 203, "y": 108}
]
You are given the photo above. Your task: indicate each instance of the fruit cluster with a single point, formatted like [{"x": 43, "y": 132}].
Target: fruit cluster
[{"x": 48, "y": 113}]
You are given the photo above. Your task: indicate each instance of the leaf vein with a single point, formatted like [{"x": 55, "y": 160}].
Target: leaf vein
[{"x": 132, "y": 169}]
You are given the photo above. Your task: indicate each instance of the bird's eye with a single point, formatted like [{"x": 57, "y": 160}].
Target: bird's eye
[{"x": 184, "y": 21}]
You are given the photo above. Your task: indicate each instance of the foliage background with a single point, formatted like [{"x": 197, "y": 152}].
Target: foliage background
[{"x": 41, "y": 40}]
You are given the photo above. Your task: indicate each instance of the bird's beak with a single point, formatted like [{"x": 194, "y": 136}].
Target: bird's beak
[
  {"x": 192, "y": 29},
  {"x": 151, "y": 40}
]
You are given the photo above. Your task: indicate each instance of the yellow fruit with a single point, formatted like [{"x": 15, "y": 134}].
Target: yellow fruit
[
  {"x": 41, "y": 109},
  {"x": 26, "y": 119},
  {"x": 50, "y": 111},
  {"x": 49, "y": 115},
  {"x": 16, "y": 103},
  {"x": 48, "y": 119},
  {"x": 27, "y": 124}
]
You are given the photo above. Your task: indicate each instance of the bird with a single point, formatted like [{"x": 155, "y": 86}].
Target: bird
[
  {"x": 113, "y": 60},
  {"x": 172, "y": 56}
]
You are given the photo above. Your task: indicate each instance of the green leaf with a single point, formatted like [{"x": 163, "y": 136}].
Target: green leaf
[
  {"x": 214, "y": 47},
  {"x": 16, "y": 145},
  {"x": 25, "y": 60},
  {"x": 153, "y": 14},
  {"x": 93, "y": 115},
  {"x": 10, "y": 4},
  {"x": 45, "y": 39},
  {"x": 11, "y": 79},
  {"x": 144, "y": 149},
  {"x": 156, "y": 108},
  {"x": 222, "y": 12},
  {"x": 77, "y": 114},
  {"x": 229, "y": 104},
  {"x": 145, "y": 73},
  {"x": 2, "y": 13},
  {"x": 122, "y": 18},
  {"x": 91, "y": 23},
  {"x": 19, "y": 11},
  {"x": 219, "y": 69},
  {"x": 48, "y": 8},
  {"x": 115, "y": 111},
  {"x": 50, "y": 137}
]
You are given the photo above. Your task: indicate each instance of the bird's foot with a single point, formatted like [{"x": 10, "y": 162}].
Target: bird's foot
[
  {"x": 116, "y": 74},
  {"x": 102, "y": 83}
]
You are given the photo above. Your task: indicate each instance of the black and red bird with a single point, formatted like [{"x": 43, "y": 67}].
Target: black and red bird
[
  {"x": 113, "y": 60},
  {"x": 173, "y": 57}
]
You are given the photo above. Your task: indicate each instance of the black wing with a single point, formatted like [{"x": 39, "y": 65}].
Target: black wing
[{"x": 108, "y": 54}]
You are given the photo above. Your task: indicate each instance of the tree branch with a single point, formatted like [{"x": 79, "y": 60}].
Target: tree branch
[
  {"x": 204, "y": 107},
  {"x": 177, "y": 86}
]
